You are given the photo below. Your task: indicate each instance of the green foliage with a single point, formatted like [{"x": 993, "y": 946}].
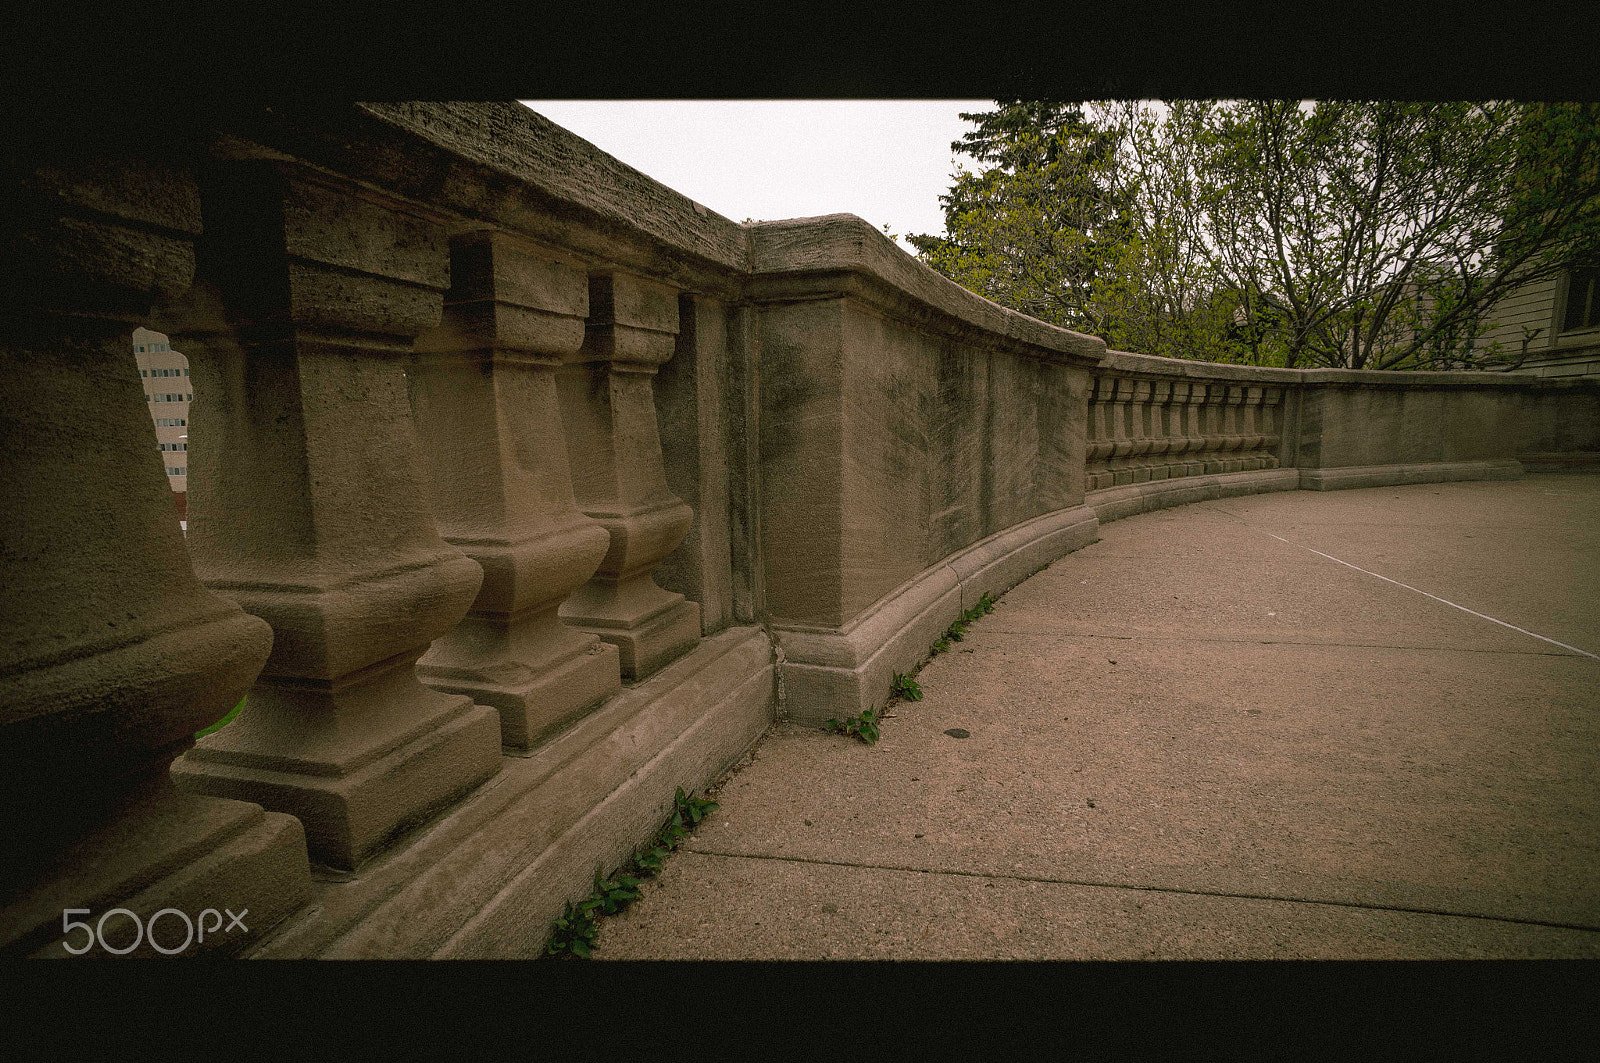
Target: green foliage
[
  {"x": 864, "y": 727},
  {"x": 957, "y": 631},
  {"x": 225, "y": 721},
  {"x": 1358, "y": 234},
  {"x": 905, "y": 687},
  {"x": 573, "y": 933}
]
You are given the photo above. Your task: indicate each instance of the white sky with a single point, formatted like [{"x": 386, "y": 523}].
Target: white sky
[{"x": 885, "y": 160}]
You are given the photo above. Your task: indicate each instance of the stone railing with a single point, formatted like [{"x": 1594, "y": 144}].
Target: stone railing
[{"x": 523, "y": 491}]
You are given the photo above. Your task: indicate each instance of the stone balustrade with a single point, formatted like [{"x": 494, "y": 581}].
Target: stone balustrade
[
  {"x": 1140, "y": 430},
  {"x": 522, "y": 492}
]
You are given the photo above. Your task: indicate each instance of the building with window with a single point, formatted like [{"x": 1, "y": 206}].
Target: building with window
[
  {"x": 167, "y": 391},
  {"x": 1558, "y": 319}
]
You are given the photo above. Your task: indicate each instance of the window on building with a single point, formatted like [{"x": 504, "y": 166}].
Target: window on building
[{"x": 1583, "y": 300}]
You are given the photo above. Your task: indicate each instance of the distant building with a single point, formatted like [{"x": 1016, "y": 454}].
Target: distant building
[
  {"x": 1559, "y": 318},
  {"x": 167, "y": 391}
]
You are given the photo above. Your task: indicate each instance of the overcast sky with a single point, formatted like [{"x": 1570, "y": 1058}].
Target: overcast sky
[{"x": 885, "y": 160}]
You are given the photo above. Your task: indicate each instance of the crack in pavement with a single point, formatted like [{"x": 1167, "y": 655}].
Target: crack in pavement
[{"x": 1149, "y": 889}]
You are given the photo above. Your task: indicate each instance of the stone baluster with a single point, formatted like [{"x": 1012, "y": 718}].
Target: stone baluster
[
  {"x": 1194, "y": 429},
  {"x": 1099, "y": 443},
  {"x": 112, "y": 654},
  {"x": 608, "y": 408},
  {"x": 1160, "y": 434},
  {"x": 1178, "y": 445},
  {"x": 1138, "y": 453},
  {"x": 483, "y": 391},
  {"x": 1271, "y": 420},
  {"x": 1250, "y": 426},
  {"x": 1211, "y": 414},
  {"x": 1233, "y": 430},
  {"x": 307, "y": 506},
  {"x": 1121, "y": 433}
]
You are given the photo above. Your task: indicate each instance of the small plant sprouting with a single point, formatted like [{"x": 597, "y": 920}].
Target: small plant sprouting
[
  {"x": 906, "y": 687},
  {"x": 957, "y": 631},
  {"x": 864, "y": 727},
  {"x": 574, "y": 931}
]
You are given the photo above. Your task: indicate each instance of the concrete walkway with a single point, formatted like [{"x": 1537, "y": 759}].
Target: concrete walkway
[{"x": 1198, "y": 738}]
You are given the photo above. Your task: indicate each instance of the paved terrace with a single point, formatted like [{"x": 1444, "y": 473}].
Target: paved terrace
[{"x": 1202, "y": 737}]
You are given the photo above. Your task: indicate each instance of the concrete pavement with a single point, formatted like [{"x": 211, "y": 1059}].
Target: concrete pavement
[{"x": 1199, "y": 738}]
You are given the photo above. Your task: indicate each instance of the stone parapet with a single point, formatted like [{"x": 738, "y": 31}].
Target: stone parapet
[{"x": 525, "y": 490}]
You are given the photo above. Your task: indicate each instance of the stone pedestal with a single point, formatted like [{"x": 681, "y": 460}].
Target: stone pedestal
[
  {"x": 306, "y": 506},
  {"x": 483, "y": 391},
  {"x": 112, "y": 654},
  {"x": 608, "y": 408}
]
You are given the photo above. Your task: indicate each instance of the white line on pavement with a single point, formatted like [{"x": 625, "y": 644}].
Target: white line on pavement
[{"x": 1435, "y": 597}]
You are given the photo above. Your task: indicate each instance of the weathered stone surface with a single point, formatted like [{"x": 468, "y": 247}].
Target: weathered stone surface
[
  {"x": 636, "y": 416},
  {"x": 112, "y": 654},
  {"x": 486, "y": 879},
  {"x": 614, "y": 445},
  {"x": 692, "y": 416},
  {"x": 318, "y": 521},
  {"x": 483, "y": 392}
]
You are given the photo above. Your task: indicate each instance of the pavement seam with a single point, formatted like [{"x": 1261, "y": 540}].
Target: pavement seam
[
  {"x": 1149, "y": 889},
  {"x": 1187, "y": 639}
]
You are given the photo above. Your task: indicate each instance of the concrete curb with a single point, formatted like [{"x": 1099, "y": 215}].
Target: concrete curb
[
  {"x": 489, "y": 876},
  {"x": 830, "y": 673},
  {"x": 1422, "y": 473}
]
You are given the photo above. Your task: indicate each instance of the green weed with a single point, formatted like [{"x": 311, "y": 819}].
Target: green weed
[
  {"x": 864, "y": 727},
  {"x": 573, "y": 933},
  {"x": 220, "y": 724},
  {"x": 905, "y": 687}
]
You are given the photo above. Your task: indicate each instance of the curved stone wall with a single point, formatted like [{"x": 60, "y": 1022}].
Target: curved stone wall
[{"x": 533, "y": 490}]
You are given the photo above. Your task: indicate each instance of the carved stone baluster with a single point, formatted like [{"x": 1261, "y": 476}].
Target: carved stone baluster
[
  {"x": 1178, "y": 445},
  {"x": 1160, "y": 434},
  {"x": 1233, "y": 431},
  {"x": 1211, "y": 425},
  {"x": 112, "y": 654},
  {"x": 483, "y": 391},
  {"x": 306, "y": 505},
  {"x": 1138, "y": 453},
  {"x": 1271, "y": 419},
  {"x": 1121, "y": 432},
  {"x": 1099, "y": 443},
  {"x": 608, "y": 408},
  {"x": 1250, "y": 426},
  {"x": 1194, "y": 421}
]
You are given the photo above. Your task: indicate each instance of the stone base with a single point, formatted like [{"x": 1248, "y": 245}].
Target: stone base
[
  {"x": 486, "y": 879},
  {"x": 831, "y": 673},
  {"x": 357, "y": 767},
  {"x": 178, "y": 851},
  {"x": 1114, "y": 503},
  {"x": 654, "y": 643},
  {"x": 1417, "y": 473},
  {"x": 543, "y": 703}
]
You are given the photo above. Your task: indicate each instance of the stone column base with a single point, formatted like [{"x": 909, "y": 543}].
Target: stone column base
[
  {"x": 357, "y": 766},
  {"x": 177, "y": 851},
  {"x": 652, "y": 644},
  {"x": 536, "y": 705}
]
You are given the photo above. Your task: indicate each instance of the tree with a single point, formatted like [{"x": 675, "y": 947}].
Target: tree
[
  {"x": 1353, "y": 234},
  {"x": 1029, "y": 229}
]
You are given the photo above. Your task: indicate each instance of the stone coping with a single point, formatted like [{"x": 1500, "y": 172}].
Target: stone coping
[
  {"x": 503, "y": 164},
  {"x": 843, "y": 243},
  {"x": 1152, "y": 365}
]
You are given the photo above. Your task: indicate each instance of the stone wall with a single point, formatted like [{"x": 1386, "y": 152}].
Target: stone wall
[{"x": 524, "y": 491}]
